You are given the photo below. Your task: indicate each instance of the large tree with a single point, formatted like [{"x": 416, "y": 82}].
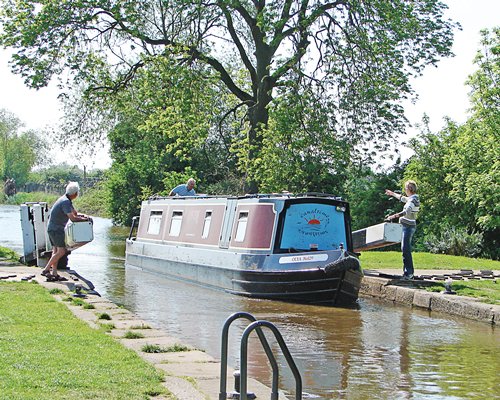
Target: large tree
[{"x": 354, "y": 56}]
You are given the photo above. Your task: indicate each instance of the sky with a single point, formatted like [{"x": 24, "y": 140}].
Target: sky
[{"x": 441, "y": 90}]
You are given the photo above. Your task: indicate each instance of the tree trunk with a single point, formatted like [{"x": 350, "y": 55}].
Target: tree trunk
[{"x": 258, "y": 117}]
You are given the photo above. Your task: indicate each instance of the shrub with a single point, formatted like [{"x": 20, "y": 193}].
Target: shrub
[
  {"x": 104, "y": 316},
  {"x": 133, "y": 335},
  {"x": 455, "y": 241}
]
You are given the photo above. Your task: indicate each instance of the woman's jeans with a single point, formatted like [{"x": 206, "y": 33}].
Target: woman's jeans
[{"x": 408, "y": 231}]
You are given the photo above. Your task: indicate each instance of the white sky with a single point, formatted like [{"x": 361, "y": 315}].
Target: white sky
[{"x": 442, "y": 91}]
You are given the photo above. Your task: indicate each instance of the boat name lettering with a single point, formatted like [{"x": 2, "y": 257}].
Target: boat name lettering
[{"x": 304, "y": 258}]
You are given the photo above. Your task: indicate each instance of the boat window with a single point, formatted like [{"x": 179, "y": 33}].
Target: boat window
[
  {"x": 175, "y": 224},
  {"x": 206, "y": 224},
  {"x": 154, "y": 222},
  {"x": 241, "y": 227}
]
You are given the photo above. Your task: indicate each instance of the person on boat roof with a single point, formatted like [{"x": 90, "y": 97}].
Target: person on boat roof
[{"x": 186, "y": 189}]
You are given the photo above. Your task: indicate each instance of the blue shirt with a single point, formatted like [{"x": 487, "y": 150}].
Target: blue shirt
[
  {"x": 182, "y": 190},
  {"x": 59, "y": 214}
]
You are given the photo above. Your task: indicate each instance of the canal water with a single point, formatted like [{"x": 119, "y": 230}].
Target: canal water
[{"x": 373, "y": 351}]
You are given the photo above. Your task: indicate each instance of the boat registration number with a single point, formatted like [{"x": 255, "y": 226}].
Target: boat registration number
[{"x": 303, "y": 258}]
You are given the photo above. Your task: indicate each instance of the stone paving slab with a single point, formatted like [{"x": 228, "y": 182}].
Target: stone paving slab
[
  {"x": 194, "y": 356},
  {"x": 148, "y": 333}
]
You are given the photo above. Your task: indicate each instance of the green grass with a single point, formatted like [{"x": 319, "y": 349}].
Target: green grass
[
  {"x": 8, "y": 254},
  {"x": 393, "y": 260},
  {"x": 133, "y": 335},
  {"x": 142, "y": 326},
  {"x": 154, "y": 348},
  {"x": 485, "y": 290},
  {"x": 105, "y": 316},
  {"x": 488, "y": 291},
  {"x": 47, "y": 353},
  {"x": 22, "y": 197}
]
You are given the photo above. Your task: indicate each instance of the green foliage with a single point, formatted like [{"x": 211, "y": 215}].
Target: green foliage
[
  {"x": 454, "y": 241},
  {"x": 8, "y": 254},
  {"x": 458, "y": 168},
  {"x": 106, "y": 327},
  {"x": 352, "y": 59},
  {"x": 365, "y": 191},
  {"x": 94, "y": 201},
  {"x": 22, "y": 197},
  {"x": 133, "y": 335},
  {"x": 64, "y": 358},
  {"x": 172, "y": 179},
  {"x": 154, "y": 348},
  {"x": 487, "y": 291},
  {"x": 59, "y": 174},
  {"x": 105, "y": 316},
  {"x": 20, "y": 150},
  {"x": 296, "y": 155}
]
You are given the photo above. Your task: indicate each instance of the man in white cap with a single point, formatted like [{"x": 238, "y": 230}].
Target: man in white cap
[{"x": 60, "y": 213}]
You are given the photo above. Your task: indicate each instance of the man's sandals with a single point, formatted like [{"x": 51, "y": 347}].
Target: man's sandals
[{"x": 55, "y": 278}]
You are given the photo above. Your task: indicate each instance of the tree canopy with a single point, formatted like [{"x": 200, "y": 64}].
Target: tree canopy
[
  {"x": 20, "y": 150},
  {"x": 348, "y": 61},
  {"x": 458, "y": 168}
]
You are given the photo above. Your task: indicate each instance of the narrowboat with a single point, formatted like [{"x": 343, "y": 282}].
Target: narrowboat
[{"x": 286, "y": 247}]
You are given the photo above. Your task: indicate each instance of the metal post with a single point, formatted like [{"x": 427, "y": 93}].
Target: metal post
[
  {"x": 223, "y": 358},
  {"x": 284, "y": 349}
]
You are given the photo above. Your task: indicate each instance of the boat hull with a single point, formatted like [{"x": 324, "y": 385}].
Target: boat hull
[{"x": 315, "y": 285}]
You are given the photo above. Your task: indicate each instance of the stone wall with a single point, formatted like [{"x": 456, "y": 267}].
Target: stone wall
[{"x": 406, "y": 293}]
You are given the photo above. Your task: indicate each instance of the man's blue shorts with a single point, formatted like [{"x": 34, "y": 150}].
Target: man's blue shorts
[{"x": 57, "y": 238}]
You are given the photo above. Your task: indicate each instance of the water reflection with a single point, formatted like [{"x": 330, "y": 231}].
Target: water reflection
[{"x": 377, "y": 351}]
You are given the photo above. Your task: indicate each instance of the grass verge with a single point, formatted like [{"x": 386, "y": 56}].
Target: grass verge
[
  {"x": 47, "y": 353},
  {"x": 393, "y": 260},
  {"x": 8, "y": 254},
  {"x": 487, "y": 291}
]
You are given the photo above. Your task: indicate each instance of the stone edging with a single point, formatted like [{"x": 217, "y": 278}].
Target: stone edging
[{"x": 462, "y": 306}]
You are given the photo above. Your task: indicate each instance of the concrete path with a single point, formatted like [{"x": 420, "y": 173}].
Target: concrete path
[{"x": 189, "y": 375}]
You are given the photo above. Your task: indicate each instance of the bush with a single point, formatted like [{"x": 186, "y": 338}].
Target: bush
[
  {"x": 455, "y": 242},
  {"x": 22, "y": 197},
  {"x": 94, "y": 201}
]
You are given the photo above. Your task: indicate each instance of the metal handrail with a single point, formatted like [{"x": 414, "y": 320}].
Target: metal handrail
[
  {"x": 134, "y": 220},
  {"x": 244, "y": 355},
  {"x": 265, "y": 345}
]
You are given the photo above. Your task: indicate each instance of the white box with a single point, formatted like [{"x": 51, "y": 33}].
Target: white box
[
  {"x": 78, "y": 233},
  {"x": 376, "y": 236}
]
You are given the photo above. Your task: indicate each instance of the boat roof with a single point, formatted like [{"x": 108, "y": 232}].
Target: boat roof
[{"x": 250, "y": 196}]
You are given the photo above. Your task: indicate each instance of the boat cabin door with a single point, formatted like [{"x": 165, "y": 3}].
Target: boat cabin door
[{"x": 227, "y": 224}]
